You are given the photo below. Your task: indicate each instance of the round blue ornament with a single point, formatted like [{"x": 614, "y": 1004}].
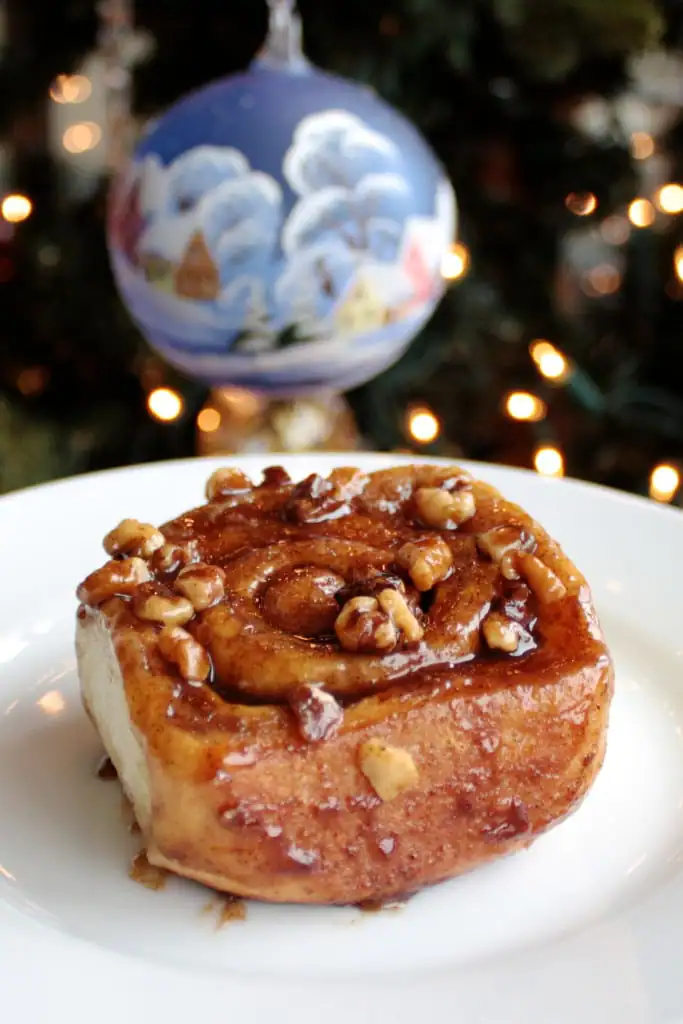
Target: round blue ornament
[{"x": 281, "y": 229}]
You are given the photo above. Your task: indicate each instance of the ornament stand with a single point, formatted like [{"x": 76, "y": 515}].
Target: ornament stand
[{"x": 237, "y": 421}]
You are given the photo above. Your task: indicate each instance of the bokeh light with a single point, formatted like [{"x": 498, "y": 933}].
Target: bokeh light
[
  {"x": 522, "y": 405},
  {"x": 209, "y": 420},
  {"x": 423, "y": 425},
  {"x": 165, "y": 404},
  {"x": 78, "y": 138},
  {"x": 669, "y": 198},
  {"x": 549, "y": 461},
  {"x": 602, "y": 280},
  {"x": 678, "y": 262},
  {"x": 549, "y": 361},
  {"x": 641, "y": 213},
  {"x": 455, "y": 262},
  {"x": 664, "y": 482},
  {"x": 16, "y": 208},
  {"x": 582, "y": 204},
  {"x": 615, "y": 229},
  {"x": 70, "y": 89},
  {"x": 642, "y": 145}
]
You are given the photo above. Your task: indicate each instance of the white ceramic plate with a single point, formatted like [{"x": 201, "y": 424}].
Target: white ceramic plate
[{"x": 587, "y": 926}]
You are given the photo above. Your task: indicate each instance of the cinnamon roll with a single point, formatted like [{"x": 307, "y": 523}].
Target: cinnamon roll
[{"x": 344, "y": 688}]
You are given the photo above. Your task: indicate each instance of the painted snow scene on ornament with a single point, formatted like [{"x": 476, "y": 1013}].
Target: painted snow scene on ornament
[{"x": 319, "y": 279}]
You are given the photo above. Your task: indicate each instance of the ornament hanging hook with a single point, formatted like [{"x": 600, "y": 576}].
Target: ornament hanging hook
[{"x": 282, "y": 48}]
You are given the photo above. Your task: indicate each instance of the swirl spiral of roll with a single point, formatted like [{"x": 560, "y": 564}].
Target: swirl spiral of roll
[{"x": 384, "y": 634}]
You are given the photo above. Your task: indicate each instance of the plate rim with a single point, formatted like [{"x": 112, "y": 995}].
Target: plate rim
[
  {"x": 346, "y": 458},
  {"x": 191, "y": 993}
]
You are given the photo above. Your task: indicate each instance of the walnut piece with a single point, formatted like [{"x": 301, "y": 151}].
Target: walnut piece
[
  {"x": 318, "y": 714},
  {"x": 508, "y": 565},
  {"x": 500, "y": 633},
  {"x": 275, "y": 476},
  {"x": 428, "y": 561},
  {"x": 132, "y": 537},
  {"x": 396, "y": 607},
  {"x": 171, "y": 557},
  {"x": 203, "y": 585},
  {"x": 444, "y": 510},
  {"x": 348, "y": 481},
  {"x": 155, "y": 604},
  {"x": 546, "y": 585},
  {"x": 120, "y": 577},
  {"x": 361, "y": 626},
  {"x": 389, "y": 770},
  {"x": 225, "y": 482},
  {"x": 502, "y": 540},
  {"x": 377, "y": 624},
  {"x": 315, "y": 500},
  {"x": 182, "y": 650}
]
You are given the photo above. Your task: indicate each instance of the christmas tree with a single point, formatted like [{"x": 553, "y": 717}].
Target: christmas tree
[{"x": 560, "y": 126}]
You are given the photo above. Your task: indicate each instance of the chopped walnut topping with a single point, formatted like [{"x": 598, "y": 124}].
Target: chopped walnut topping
[
  {"x": 546, "y": 585},
  {"x": 508, "y": 565},
  {"x": 500, "y": 634},
  {"x": 515, "y": 603},
  {"x": 120, "y": 577},
  {"x": 182, "y": 650},
  {"x": 131, "y": 537},
  {"x": 275, "y": 476},
  {"x": 318, "y": 714},
  {"x": 389, "y": 770},
  {"x": 370, "y": 586},
  {"x": 170, "y": 558},
  {"x": 361, "y": 626},
  {"x": 444, "y": 510},
  {"x": 158, "y": 604},
  {"x": 348, "y": 481},
  {"x": 225, "y": 482},
  {"x": 428, "y": 561},
  {"x": 395, "y": 605},
  {"x": 203, "y": 585},
  {"x": 502, "y": 540},
  {"x": 314, "y": 500},
  {"x": 376, "y": 624}
]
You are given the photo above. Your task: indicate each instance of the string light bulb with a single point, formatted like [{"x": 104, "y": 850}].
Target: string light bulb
[
  {"x": 455, "y": 262},
  {"x": 423, "y": 426},
  {"x": 642, "y": 145},
  {"x": 605, "y": 279},
  {"x": 615, "y": 229},
  {"x": 164, "y": 404},
  {"x": 549, "y": 361},
  {"x": 209, "y": 420},
  {"x": 16, "y": 208},
  {"x": 70, "y": 89},
  {"x": 581, "y": 204},
  {"x": 641, "y": 213},
  {"x": 664, "y": 482},
  {"x": 669, "y": 198},
  {"x": 678, "y": 262},
  {"x": 522, "y": 405},
  {"x": 549, "y": 461},
  {"x": 79, "y": 138}
]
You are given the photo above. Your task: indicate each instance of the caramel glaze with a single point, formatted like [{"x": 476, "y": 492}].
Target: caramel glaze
[
  {"x": 106, "y": 770},
  {"x": 146, "y": 874},
  {"x": 505, "y": 744},
  {"x": 232, "y": 910}
]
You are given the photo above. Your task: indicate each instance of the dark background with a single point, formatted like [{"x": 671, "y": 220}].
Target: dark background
[{"x": 502, "y": 89}]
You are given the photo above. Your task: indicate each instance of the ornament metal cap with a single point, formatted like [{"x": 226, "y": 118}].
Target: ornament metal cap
[{"x": 282, "y": 49}]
